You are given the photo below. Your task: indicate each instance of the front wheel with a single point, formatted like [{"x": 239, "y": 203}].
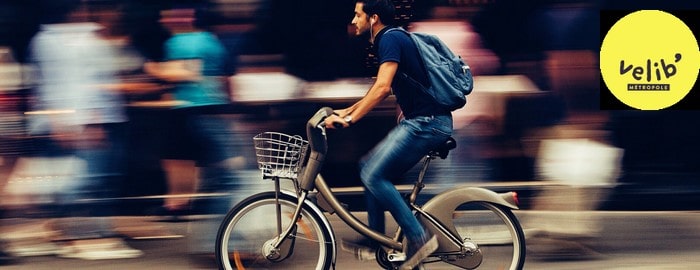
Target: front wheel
[
  {"x": 245, "y": 236},
  {"x": 495, "y": 233}
]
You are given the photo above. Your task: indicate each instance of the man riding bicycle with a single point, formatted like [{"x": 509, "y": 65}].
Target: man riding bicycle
[{"x": 423, "y": 126}]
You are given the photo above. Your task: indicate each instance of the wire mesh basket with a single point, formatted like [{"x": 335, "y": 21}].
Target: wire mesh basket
[{"x": 280, "y": 155}]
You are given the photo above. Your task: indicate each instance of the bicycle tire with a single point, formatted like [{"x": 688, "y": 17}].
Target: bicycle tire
[
  {"x": 496, "y": 231},
  {"x": 247, "y": 226}
]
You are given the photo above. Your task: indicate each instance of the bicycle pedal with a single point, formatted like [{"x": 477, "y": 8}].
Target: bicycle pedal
[
  {"x": 396, "y": 257},
  {"x": 361, "y": 251}
]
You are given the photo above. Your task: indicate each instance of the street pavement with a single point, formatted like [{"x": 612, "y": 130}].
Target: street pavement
[{"x": 603, "y": 240}]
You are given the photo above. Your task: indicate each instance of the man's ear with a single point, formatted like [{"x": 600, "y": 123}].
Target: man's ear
[{"x": 373, "y": 19}]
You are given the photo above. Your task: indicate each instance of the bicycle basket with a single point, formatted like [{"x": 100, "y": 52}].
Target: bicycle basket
[{"x": 279, "y": 154}]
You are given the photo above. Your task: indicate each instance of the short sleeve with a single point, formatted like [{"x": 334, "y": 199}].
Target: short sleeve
[
  {"x": 390, "y": 47},
  {"x": 179, "y": 49}
]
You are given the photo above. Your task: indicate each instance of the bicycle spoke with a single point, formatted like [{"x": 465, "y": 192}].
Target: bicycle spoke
[
  {"x": 491, "y": 229},
  {"x": 249, "y": 234}
]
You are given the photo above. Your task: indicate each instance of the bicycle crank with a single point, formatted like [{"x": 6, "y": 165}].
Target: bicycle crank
[{"x": 469, "y": 257}]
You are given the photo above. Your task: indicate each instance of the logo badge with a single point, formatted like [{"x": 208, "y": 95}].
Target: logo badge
[{"x": 649, "y": 60}]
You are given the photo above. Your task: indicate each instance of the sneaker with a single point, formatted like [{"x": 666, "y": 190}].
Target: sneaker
[
  {"x": 99, "y": 249},
  {"x": 363, "y": 249},
  {"x": 6, "y": 258},
  {"x": 416, "y": 253},
  {"x": 31, "y": 248}
]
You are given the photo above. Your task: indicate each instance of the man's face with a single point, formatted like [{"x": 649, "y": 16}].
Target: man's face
[
  {"x": 360, "y": 20},
  {"x": 175, "y": 19}
]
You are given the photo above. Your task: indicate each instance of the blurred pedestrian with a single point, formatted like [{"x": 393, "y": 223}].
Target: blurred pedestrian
[
  {"x": 423, "y": 126},
  {"x": 197, "y": 65},
  {"x": 5, "y": 258},
  {"x": 77, "y": 112}
]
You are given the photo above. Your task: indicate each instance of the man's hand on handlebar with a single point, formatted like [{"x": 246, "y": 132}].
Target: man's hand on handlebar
[{"x": 336, "y": 121}]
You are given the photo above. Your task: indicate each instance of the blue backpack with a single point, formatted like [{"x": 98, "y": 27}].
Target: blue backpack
[{"x": 450, "y": 78}]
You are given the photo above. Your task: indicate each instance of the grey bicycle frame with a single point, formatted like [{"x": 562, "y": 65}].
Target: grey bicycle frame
[{"x": 436, "y": 213}]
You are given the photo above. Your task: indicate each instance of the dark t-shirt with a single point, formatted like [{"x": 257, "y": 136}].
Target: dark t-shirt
[{"x": 396, "y": 46}]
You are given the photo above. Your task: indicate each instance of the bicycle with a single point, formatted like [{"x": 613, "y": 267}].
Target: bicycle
[{"x": 475, "y": 227}]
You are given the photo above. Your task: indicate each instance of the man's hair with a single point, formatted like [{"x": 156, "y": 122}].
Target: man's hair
[
  {"x": 383, "y": 8},
  {"x": 56, "y": 11},
  {"x": 204, "y": 16}
]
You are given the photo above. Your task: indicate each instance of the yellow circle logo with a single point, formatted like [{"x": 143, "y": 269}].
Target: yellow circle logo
[{"x": 649, "y": 59}]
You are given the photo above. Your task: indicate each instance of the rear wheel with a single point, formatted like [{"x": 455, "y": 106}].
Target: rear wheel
[
  {"x": 494, "y": 231},
  {"x": 245, "y": 236}
]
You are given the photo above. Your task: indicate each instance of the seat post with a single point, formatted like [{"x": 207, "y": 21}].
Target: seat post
[{"x": 418, "y": 186}]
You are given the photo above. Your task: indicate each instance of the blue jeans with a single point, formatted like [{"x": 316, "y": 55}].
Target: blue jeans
[
  {"x": 213, "y": 138},
  {"x": 104, "y": 171},
  {"x": 397, "y": 153}
]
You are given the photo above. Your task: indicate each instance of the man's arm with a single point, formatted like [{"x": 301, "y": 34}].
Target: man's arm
[
  {"x": 175, "y": 70},
  {"x": 378, "y": 92}
]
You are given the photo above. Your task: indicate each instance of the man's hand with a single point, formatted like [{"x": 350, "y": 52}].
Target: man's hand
[
  {"x": 175, "y": 70},
  {"x": 336, "y": 121},
  {"x": 79, "y": 137}
]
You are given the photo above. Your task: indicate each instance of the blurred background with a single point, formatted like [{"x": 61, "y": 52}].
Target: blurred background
[
  {"x": 536, "y": 72},
  {"x": 532, "y": 124}
]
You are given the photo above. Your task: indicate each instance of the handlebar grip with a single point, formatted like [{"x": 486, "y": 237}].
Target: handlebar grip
[
  {"x": 326, "y": 111},
  {"x": 317, "y": 146}
]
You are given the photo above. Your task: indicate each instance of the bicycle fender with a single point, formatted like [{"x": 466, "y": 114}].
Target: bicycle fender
[
  {"x": 443, "y": 205},
  {"x": 447, "y": 201}
]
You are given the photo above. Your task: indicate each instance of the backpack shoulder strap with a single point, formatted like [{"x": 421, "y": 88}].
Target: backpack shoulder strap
[
  {"x": 403, "y": 75},
  {"x": 398, "y": 29}
]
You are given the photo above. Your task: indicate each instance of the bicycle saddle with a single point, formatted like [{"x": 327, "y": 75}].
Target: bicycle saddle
[{"x": 444, "y": 149}]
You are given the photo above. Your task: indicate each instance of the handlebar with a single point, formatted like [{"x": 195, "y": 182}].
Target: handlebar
[
  {"x": 337, "y": 125},
  {"x": 318, "y": 147}
]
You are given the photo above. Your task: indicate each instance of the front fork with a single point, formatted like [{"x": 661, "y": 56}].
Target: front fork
[{"x": 282, "y": 246}]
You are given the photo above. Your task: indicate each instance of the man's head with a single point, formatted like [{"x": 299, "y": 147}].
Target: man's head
[
  {"x": 178, "y": 19},
  {"x": 371, "y": 12},
  {"x": 187, "y": 16},
  {"x": 60, "y": 11}
]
